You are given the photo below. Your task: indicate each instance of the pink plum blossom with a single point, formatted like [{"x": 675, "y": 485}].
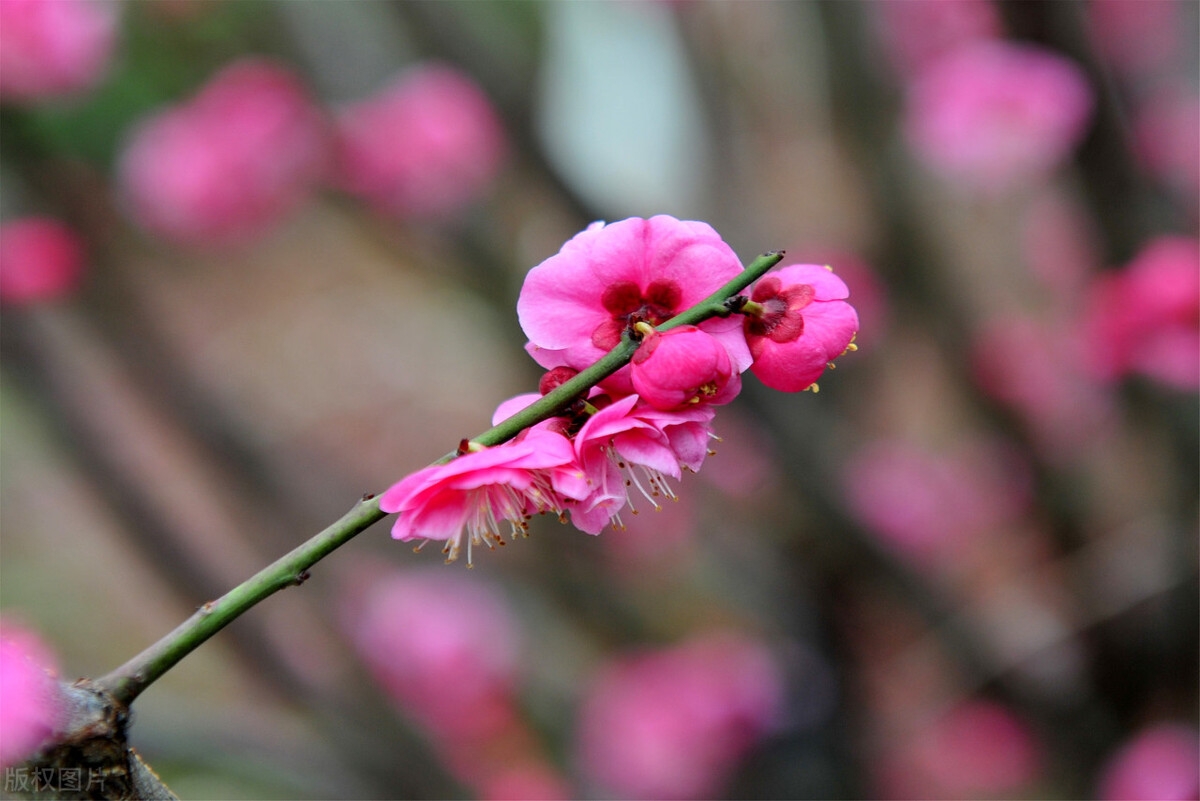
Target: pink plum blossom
[
  {"x": 682, "y": 367},
  {"x": 51, "y": 50},
  {"x": 1146, "y": 318},
  {"x": 630, "y": 448},
  {"x": 800, "y": 324},
  {"x": 446, "y": 648},
  {"x": 230, "y": 162},
  {"x": 996, "y": 115},
  {"x": 30, "y": 701},
  {"x": 1159, "y": 763},
  {"x": 978, "y": 749},
  {"x": 575, "y": 305},
  {"x": 474, "y": 493},
  {"x": 426, "y": 146},
  {"x": 41, "y": 259},
  {"x": 917, "y": 32},
  {"x": 675, "y": 723}
]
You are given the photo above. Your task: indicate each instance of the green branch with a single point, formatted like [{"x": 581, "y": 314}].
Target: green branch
[{"x": 128, "y": 681}]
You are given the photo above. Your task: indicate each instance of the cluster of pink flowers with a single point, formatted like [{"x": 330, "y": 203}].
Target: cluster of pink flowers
[
  {"x": 996, "y": 115},
  {"x": 425, "y": 146},
  {"x": 229, "y": 162},
  {"x": 252, "y": 145},
  {"x": 675, "y": 723},
  {"x": 652, "y": 419},
  {"x": 30, "y": 702}
]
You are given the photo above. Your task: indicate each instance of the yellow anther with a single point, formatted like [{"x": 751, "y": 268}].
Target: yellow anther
[
  {"x": 851, "y": 347},
  {"x": 815, "y": 389}
]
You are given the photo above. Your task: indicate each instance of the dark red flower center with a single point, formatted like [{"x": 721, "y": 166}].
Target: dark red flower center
[
  {"x": 780, "y": 318},
  {"x": 627, "y": 305}
]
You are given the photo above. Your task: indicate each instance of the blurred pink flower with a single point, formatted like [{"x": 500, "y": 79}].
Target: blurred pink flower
[
  {"x": 917, "y": 32},
  {"x": 1146, "y": 318},
  {"x": 1159, "y": 763},
  {"x": 675, "y": 723},
  {"x": 978, "y": 749},
  {"x": 926, "y": 506},
  {"x": 445, "y": 646},
  {"x": 50, "y": 50},
  {"x": 477, "y": 491},
  {"x": 41, "y": 259},
  {"x": 996, "y": 114},
  {"x": 229, "y": 163},
  {"x": 1167, "y": 131},
  {"x": 575, "y": 304},
  {"x": 426, "y": 146},
  {"x": 803, "y": 325},
  {"x": 30, "y": 702},
  {"x": 1137, "y": 37},
  {"x": 630, "y": 445},
  {"x": 684, "y": 366}
]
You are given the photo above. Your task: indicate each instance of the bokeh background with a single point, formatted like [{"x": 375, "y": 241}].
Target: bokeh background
[{"x": 259, "y": 258}]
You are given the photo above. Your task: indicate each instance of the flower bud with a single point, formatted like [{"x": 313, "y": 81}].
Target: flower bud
[{"x": 682, "y": 367}]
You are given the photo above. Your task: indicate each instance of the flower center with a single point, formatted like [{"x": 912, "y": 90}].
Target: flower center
[
  {"x": 628, "y": 305},
  {"x": 780, "y": 317}
]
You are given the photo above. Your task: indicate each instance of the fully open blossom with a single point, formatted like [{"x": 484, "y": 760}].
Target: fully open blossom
[
  {"x": 675, "y": 723},
  {"x": 628, "y": 449},
  {"x": 50, "y": 50},
  {"x": 445, "y": 647},
  {"x": 230, "y": 162},
  {"x": 1159, "y": 763},
  {"x": 40, "y": 259},
  {"x": 996, "y": 115},
  {"x": 682, "y": 367},
  {"x": 30, "y": 702},
  {"x": 575, "y": 305},
  {"x": 425, "y": 146},
  {"x": 802, "y": 323},
  {"x": 473, "y": 495},
  {"x": 1145, "y": 318},
  {"x": 915, "y": 33}
]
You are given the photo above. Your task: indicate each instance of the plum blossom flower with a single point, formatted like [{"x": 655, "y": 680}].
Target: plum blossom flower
[
  {"x": 1146, "y": 318},
  {"x": 425, "y": 146},
  {"x": 229, "y": 163},
  {"x": 41, "y": 259},
  {"x": 444, "y": 646},
  {"x": 797, "y": 323},
  {"x": 682, "y": 367},
  {"x": 470, "y": 497},
  {"x": 51, "y": 50},
  {"x": 675, "y": 723},
  {"x": 629, "y": 447},
  {"x": 996, "y": 115},
  {"x": 1157, "y": 763},
  {"x": 30, "y": 702},
  {"x": 575, "y": 305}
]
